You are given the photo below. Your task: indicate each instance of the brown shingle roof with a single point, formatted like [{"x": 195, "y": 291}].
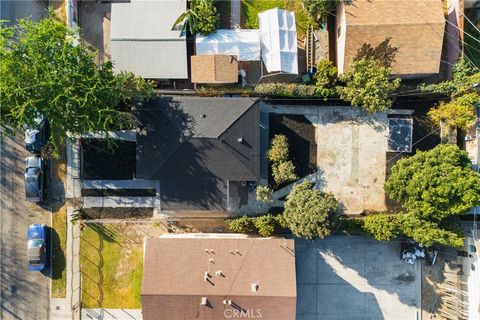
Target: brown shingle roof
[
  {"x": 173, "y": 278},
  {"x": 216, "y": 68},
  {"x": 415, "y": 26}
]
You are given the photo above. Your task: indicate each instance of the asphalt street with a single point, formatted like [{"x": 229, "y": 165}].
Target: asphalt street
[{"x": 24, "y": 295}]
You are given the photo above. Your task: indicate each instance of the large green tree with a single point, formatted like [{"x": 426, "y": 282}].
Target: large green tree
[
  {"x": 459, "y": 111},
  {"x": 43, "y": 71},
  {"x": 385, "y": 227},
  {"x": 310, "y": 213},
  {"x": 367, "y": 85},
  {"x": 435, "y": 184}
]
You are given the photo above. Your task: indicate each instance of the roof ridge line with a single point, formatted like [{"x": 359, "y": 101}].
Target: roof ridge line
[
  {"x": 230, "y": 149},
  {"x": 255, "y": 100}
]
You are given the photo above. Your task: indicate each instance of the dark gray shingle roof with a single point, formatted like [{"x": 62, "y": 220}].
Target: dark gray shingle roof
[{"x": 193, "y": 146}]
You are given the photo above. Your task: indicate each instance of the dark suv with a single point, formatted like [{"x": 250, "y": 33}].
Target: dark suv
[{"x": 35, "y": 179}]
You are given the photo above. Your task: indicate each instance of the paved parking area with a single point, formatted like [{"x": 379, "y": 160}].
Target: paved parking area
[{"x": 355, "y": 277}]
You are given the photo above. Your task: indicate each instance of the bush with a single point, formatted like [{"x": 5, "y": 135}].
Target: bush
[
  {"x": 283, "y": 172},
  {"x": 287, "y": 90},
  {"x": 265, "y": 225},
  {"x": 326, "y": 78},
  {"x": 281, "y": 222},
  {"x": 310, "y": 213},
  {"x": 383, "y": 227},
  {"x": 278, "y": 151},
  {"x": 458, "y": 113},
  {"x": 242, "y": 225},
  {"x": 264, "y": 194}
]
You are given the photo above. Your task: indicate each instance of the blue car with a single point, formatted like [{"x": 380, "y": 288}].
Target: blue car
[{"x": 37, "y": 247}]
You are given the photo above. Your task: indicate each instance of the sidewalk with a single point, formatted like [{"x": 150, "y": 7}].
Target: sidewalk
[{"x": 112, "y": 314}]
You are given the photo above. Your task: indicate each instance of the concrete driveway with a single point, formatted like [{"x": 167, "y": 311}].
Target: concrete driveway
[{"x": 355, "y": 277}]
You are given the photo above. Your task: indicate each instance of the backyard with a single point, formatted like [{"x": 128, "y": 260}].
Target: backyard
[{"x": 111, "y": 263}]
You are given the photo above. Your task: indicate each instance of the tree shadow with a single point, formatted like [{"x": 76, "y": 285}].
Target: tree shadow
[
  {"x": 324, "y": 293},
  {"x": 58, "y": 259}
]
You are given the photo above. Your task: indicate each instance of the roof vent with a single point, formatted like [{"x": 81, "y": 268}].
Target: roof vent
[
  {"x": 204, "y": 301},
  {"x": 211, "y": 260},
  {"x": 227, "y": 302},
  {"x": 219, "y": 273},
  {"x": 254, "y": 287},
  {"x": 204, "y": 116},
  {"x": 240, "y": 140}
]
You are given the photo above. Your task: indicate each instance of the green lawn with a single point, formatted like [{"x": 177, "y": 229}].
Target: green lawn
[
  {"x": 111, "y": 262},
  {"x": 251, "y": 8},
  {"x": 59, "y": 242}
]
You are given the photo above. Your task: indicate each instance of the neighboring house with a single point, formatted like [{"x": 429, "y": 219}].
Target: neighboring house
[
  {"x": 202, "y": 150},
  {"x": 142, "y": 40},
  {"x": 223, "y": 276},
  {"x": 214, "y": 69},
  {"x": 415, "y": 27}
]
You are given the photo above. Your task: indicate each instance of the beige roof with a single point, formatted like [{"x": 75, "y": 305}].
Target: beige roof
[
  {"x": 216, "y": 68},
  {"x": 415, "y": 26},
  {"x": 174, "y": 277}
]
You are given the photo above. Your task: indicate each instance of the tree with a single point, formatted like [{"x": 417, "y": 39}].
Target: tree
[
  {"x": 460, "y": 111},
  {"x": 310, "y": 213},
  {"x": 283, "y": 172},
  {"x": 201, "y": 17},
  {"x": 265, "y": 225},
  {"x": 435, "y": 184},
  {"x": 326, "y": 78},
  {"x": 319, "y": 10},
  {"x": 44, "y": 73},
  {"x": 427, "y": 232},
  {"x": 278, "y": 151},
  {"x": 384, "y": 53},
  {"x": 383, "y": 227},
  {"x": 367, "y": 84},
  {"x": 264, "y": 194}
]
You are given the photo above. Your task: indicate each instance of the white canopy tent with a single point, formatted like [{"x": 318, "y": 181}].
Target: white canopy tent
[
  {"x": 278, "y": 40},
  {"x": 243, "y": 43}
]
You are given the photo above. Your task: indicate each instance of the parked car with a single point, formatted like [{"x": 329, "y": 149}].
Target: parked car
[
  {"x": 37, "y": 247},
  {"x": 36, "y": 137},
  {"x": 35, "y": 185}
]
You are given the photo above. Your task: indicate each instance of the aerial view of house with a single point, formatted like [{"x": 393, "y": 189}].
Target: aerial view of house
[{"x": 239, "y": 159}]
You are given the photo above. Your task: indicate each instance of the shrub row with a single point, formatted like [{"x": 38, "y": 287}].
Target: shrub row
[{"x": 265, "y": 226}]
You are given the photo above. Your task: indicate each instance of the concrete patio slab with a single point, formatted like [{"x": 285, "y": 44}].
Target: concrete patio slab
[{"x": 354, "y": 277}]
